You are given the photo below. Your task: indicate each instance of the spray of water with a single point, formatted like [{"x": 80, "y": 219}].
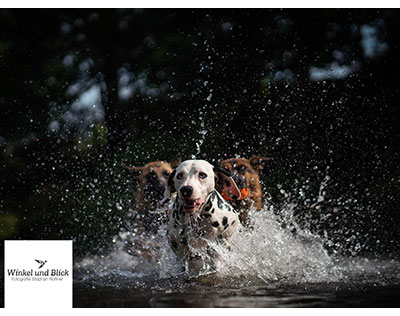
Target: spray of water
[{"x": 266, "y": 253}]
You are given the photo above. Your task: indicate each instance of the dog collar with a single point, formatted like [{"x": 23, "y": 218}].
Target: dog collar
[{"x": 244, "y": 192}]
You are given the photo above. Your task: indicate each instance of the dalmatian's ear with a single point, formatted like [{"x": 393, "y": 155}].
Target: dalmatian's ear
[
  {"x": 170, "y": 189},
  {"x": 226, "y": 184}
]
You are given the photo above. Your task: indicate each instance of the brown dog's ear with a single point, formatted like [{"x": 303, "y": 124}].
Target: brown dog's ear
[
  {"x": 226, "y": 184},
  {"x": 134, "y": 170},
  {"x": 169, "y": 189},
  {"x": 258, "y": 162},
  {"x": 175, "y": 162},
  {"x": 170, "y": 183}
]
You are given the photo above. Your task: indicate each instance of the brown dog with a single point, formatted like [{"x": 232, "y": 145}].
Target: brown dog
[
  {"x": 152, "y": 179},
  {"x": 246, "y": 171},
  {"x": 151, "y": 182}
]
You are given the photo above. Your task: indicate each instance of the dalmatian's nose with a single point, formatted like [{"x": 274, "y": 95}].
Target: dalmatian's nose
[{"x": 186, "y": 191}]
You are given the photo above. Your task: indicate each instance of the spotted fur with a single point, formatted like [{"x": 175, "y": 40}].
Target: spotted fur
[{"x": 192, "y": 236}]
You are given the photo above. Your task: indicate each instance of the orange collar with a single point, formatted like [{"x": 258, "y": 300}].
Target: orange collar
[{"x": 244, "y": 192}]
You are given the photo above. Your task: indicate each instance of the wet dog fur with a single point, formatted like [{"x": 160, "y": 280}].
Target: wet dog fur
[
  {"x": 200, "y": 216},
  {"x": 151, "y": 183},
  {"x": 247, "y": 171}
]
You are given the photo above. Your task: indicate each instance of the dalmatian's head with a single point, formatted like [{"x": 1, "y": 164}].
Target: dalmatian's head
[{"x": 195, "y": 179}]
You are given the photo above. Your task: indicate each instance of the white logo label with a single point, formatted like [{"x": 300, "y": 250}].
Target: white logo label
[{"x": 38, "y": 273}]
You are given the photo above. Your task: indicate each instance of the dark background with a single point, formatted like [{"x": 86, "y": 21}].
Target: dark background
[{"x": 84, "y": 91}]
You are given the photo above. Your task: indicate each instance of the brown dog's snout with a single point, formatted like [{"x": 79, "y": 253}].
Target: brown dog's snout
[
  {"x": 239, "y": 179},
  {"x": 186, "y": 191}
]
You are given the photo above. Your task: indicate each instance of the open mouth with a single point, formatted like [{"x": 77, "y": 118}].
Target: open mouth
[{"x": 190, "y": 206}]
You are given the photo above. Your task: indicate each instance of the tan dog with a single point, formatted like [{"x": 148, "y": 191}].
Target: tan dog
[
  {"x": 152, "y": 180},
  {"x": 248, "y": 170}
]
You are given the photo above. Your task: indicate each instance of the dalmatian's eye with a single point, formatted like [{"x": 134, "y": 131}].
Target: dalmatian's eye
[
  {"x": 202, "y": 175},
  {"x": 179, "y": 176}
]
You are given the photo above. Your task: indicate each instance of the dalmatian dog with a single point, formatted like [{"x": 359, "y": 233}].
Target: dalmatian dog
[{"x": 200, "y": 217}]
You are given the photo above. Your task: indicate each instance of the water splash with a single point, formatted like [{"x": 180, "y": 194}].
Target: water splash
[
  {"x": 203, "y": 134},
  {"x": 202, "y": 137},
  {"x": 267, "y": 253},
  {"x": 273, "y": 254}
]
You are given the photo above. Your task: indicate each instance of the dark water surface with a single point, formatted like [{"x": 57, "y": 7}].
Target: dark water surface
[
  {"x": 192, "y": 294},
  {"x": 195, "y": 295}
]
